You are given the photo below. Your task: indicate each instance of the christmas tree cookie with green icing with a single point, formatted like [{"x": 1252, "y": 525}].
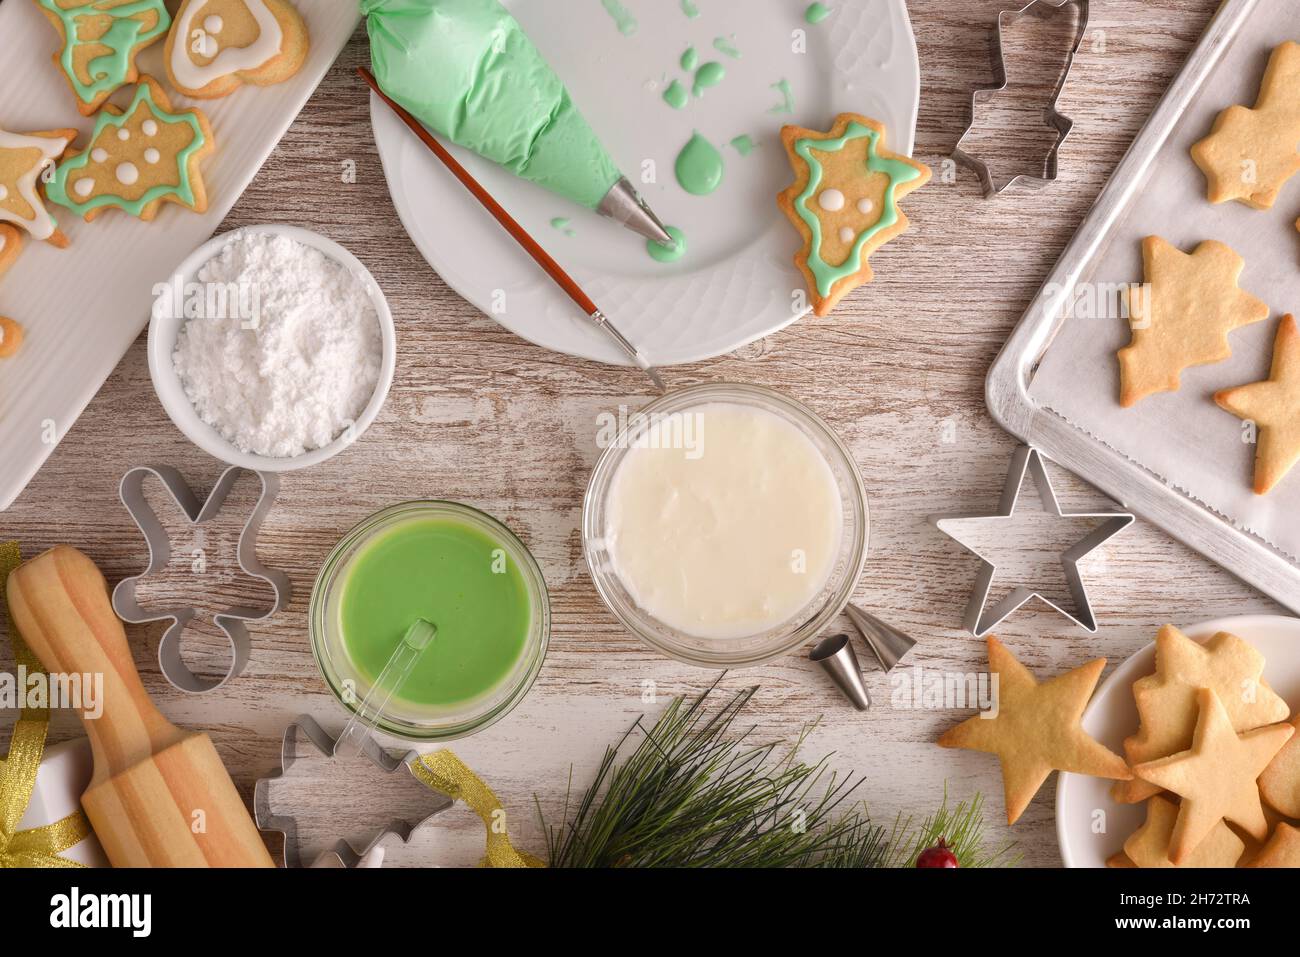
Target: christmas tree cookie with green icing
[
  {"x": 100, "y": 41},
  {"x": 844, "y": 202},
  {"x": 138, "y": 159}
]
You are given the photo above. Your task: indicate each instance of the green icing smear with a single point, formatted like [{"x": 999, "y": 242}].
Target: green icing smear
[
  {"x": 676, "y": 95},
  {"x": 690, "y": 9},
  {"x": 124, "y": 34},
  {"x": 57, "y": 188},
  {"x": 786, "y": 105},
  {"x": 661, "y": 252},
  {"x": 744, "y": 144},
  {"x": 898, "y": 172},
  {"x": 623, "y": 18},
  {"x": 563, "y": 224},
  {"x": 699, "y": 166},
  {"x": 708, "y": 75},
  {"x": 690, "y": 59},
  {"x": 726, "y": 46},
  {"x": 816, "y": 12}
]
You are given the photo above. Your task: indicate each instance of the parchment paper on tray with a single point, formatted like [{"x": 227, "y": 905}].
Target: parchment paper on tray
[{"x": 1182, "y": 436}]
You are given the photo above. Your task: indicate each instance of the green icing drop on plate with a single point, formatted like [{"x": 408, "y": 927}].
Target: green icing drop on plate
[
  {"x": 699, "y": 166},
  {"x": 744, "y": 144},
  {"x": 623, "y": 18},
  {"x": 690, "y": 9},
  {"x": 562, "y": 223},
  {"x": 786, "y": 105},
  {"x": 676, "y": 95},
  {"x": 661, "y": 252},
  {"x": 816, "y": 12},
  {"x": 726, "y": 46},
  {"x": 690, "y": 59},
  {"x": 710, "y": 74}
]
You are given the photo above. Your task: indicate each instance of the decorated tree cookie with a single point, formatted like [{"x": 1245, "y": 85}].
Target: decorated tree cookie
[
  {"x": 11, "y": 244},
  {"x": 217, "y": 45},
  {"x": 137, "y": 160},
  {"x": 100, "y": 41},
  {"x": 11, "y": 337},
  {"x": 844, "y": 202},
  {"x": 23, "y": 159}
]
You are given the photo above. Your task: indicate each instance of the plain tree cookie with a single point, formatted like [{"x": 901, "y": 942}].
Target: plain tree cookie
[
  {"x": 216, "y": 46},
  {"x": 1149, "y": 844}
]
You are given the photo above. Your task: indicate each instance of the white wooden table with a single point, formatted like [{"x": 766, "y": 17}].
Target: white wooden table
[{"x": 480, "y": 416}]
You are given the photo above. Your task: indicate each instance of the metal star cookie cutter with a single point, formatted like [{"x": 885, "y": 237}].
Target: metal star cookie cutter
[
  {"x": 231, "y": 620},
  {"x": 1043, "y": 10},
  {"x": 342, "y": 853},
  {"x": 979, "y": 621}
]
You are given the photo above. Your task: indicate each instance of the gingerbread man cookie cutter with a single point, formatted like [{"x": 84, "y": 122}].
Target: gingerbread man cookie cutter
[
  {"x": 232, "y": 620},
  {"x": 1042, "y": 10}
]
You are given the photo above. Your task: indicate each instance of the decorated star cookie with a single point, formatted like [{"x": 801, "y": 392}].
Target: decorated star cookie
[
  {"x": 1167, "y": 704},
  {"x": 23, "y": 160},
  {"x": 11, "y": 244},
  {"x": 137, "y": 160},
  {"x": 1149, "y": 844},
  {"x": 11, "y": 337},
  {"x": 1251, "y": 153},
  {"x": 1182, "y": 316},
  {"x": 1282, "y": 849},
  {"x": 1274, "y": 406},
  {"x": 1279, "y": 785},
  {"x": 1036, "y": 729},
  {"x": 100, "y": 41},
  {"x": 844, "y": 202},
  {"x": 1216, "y": 776},
  {"x": 217, "y": 45}
]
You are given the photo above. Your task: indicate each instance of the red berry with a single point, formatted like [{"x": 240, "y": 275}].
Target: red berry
[{"x": 938, "y": 856}]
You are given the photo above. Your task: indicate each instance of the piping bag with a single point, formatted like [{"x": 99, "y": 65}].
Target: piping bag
[{"x": 467, "y": 70}]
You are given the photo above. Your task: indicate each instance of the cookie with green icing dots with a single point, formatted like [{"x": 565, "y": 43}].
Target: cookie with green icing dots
[
  {"x": 844, "y": 202},
  {"x": 100, "y": 41},
  {"x": 138, "y": 159}
]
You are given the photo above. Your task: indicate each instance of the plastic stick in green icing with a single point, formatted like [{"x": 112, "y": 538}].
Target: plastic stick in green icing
[
  {"x": 726, "y": 46},
  {"x": 676, "y": 95},
  {"x": 786, "y": 105},
  {"x": 623, "y": 18},
  {"x": 709, "y": 74},
  {"x": 699, "y": 166},
  {"x": 828, "y": 275},
  {"x": 467, "y": 70},
  {"x": 57, "y": 188},
  {"x": 690, "y": 59},
  {"x": 563, "y": 224},
  {"x": 125, "y": 32},
  {"x": 816, "y": 12},
  {"x": 690, "y": 9},
  {"x": 663, "y": 253},
  {"x": 744, "y": 144}
]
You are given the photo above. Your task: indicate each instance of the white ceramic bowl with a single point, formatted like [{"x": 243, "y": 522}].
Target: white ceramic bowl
[{"x": 165, "y": 326}]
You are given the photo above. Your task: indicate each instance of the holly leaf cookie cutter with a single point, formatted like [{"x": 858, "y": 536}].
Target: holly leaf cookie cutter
[
  {"x": 232, "y": 620},
  {"x": 342, "y": 853},
  {"x": 1042, "y": 10}
]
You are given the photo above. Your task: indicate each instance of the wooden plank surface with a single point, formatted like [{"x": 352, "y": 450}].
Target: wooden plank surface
[{"x": 482, "y": 417}]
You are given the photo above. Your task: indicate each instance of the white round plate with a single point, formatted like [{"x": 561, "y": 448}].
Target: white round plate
[
  {"x": 1112, "y": 716},
  {"x": 737, "y": 281}
]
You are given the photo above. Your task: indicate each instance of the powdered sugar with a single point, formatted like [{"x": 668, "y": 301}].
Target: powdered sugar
[{"x": 290, "y": 357}]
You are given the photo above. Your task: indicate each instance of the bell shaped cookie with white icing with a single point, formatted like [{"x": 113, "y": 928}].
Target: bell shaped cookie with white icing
[{"x": 216, "y": 46}]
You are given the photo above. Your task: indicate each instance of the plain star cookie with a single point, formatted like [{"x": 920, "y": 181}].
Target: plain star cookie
[
  {"x": 1149, "y": 845},
  {"x": 1036, "y": 728},
  {"x": 1274, "y": 406},
  {"x": 844, "y": 202},
  {"x": 100, "y": 41},
  {"x": 23, "y": 160},
  {"x": 215, "y": 46},
  {"x": 1167, "y": 704},
  {"x": 1282, "y": 849},
  {"x": 137, "y": 160},
  {"x": 1216, "y": 777},
  {"x": 1251, "y": 153},
  {"x": 1182, "y": 316}
]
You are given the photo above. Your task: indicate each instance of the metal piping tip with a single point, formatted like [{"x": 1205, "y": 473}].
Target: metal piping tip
[
  {"x": 836, "y": 655},
  {"x": 886, "y": 642},
  {"x": 624, "y": 205}
]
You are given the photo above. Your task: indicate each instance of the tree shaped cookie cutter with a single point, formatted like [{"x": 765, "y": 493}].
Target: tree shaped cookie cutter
[
  {"x": 1042, "y": 10},
  {"x": 342, "y": 853},
  {"x": 231, "y": 620}
]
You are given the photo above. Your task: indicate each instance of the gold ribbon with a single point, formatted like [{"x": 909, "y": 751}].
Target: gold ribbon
[
  {"x": 445, "y": 772},
  {"x": 36, "y": 846}
]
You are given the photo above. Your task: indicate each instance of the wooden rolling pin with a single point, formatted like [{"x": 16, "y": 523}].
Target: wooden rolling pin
[{"x": 160, "y": 796}]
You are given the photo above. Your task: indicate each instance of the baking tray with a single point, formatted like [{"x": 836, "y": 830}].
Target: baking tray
[{"x": 1157, "y": 498}]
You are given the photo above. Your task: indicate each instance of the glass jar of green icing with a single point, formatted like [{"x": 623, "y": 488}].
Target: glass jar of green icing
[{"x": 460, "y": 569}]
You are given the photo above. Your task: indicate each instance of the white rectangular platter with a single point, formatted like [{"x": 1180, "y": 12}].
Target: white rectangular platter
[{"x": 83, "y": 306}]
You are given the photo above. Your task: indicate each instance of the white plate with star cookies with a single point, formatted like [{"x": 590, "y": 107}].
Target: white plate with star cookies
[
  {"x": 162, "y": 168},
  {"x": 1184, "y": 738}
]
